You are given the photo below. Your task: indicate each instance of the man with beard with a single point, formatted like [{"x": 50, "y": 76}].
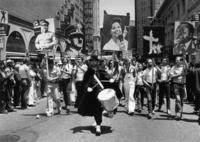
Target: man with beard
[
  {"x": 164, "y": 85},
  {"x": 81, "y": 69},
  {"x": 149, "y": 79},
  {"x": 177, "y": 75}
]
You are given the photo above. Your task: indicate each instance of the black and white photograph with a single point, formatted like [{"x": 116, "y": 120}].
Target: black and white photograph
[{"x": 99, "y": 70}]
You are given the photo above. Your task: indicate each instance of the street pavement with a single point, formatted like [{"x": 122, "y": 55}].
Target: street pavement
[{"x": 23, "y": 126}]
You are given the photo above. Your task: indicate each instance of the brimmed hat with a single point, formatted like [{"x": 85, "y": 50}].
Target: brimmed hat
[
  {"x": 44, "y": 23},
  {"x": 9, "y": 61}
]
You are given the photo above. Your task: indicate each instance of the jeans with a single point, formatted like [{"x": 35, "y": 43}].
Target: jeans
[
  {"x": 25, "y": 85},
  {"x": 64, "y": 84},
  {"x": 179, "y": 94},
  {"x": 164, "y": 92},
  {"x": 139, "y": 95},
  {"x": 151, "y": 97}
]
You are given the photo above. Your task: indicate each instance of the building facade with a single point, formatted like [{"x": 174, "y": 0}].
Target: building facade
[
  {"x": 144, "y": 13},
  {"x": 21, "y": 15},
  {"x": 175, "y": 10},
  {"x": 92, "y": 25}
]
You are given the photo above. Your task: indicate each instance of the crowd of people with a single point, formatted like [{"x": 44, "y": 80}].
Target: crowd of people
[{"x": 137, "y": 84}]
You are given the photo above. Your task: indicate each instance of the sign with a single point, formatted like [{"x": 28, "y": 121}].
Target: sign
[
  {"x": 4, "y": 29},
  {"x": 3, "y": 16},
  {"x": 153, "y": 41},
  {"x": 109, "y": 32},
  {"x": 51, "y": 27},
  {"x": 127, "y": 54},
  {"x": 185, "y": 42}
]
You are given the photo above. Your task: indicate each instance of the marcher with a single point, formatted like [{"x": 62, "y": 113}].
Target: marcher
[
  {"x": 149, "y": 79},
  {"x": 25, "y": 82},
  {"x": 164, "y": 85},
  {"x": 52, "y": 90},
  {"x": 177, "y": 74},
  {"x": 81, "y": 69},
  {"x": 89, "y": 104}
]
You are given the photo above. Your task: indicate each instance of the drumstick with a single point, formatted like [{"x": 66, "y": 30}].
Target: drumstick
[
  {"x": 95, "y": 86},
  {"x": 104, "y": 80},
  {"x": 98, "y": 81}
]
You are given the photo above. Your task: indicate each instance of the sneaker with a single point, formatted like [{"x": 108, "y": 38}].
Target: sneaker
[
  {"x": 4, "y": 112},
  {"x": 131, "y": 113},
  {"x": 59, "y": 110},
  {"x": 11, "y": 110},
  {"x": 153, "y": 112},
  {"x": 98, "y": 130},
  {"x": 67, "y": 111},
  {"x": 149, "y": 116},
  {"x": 168, "y": 112},
  {"x": 94, "y": 124}
]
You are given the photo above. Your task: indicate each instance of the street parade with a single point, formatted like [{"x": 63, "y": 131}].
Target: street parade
[{"x": 109, "y": 85}]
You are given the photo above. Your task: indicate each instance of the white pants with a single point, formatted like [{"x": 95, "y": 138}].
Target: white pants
[
  {"x": 52, "y": 96},
  {"x": 129, "y": 88}
]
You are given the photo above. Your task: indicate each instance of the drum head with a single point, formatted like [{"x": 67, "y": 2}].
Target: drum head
[{"x": 106, "y": 94}]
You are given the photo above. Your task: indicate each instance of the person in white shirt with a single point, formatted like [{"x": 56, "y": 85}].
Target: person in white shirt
[
  {"x": 52, "y": 89},
  {"x": 65, "y": 76},
  {"x": 164, "y": 86},
  {"x": 25, "y": 82},
  {"x": 178, "y": 77},
  {"x": 139, "y": 89},
  {"x": 81, "y": 69},
  {"x": 149, "y": 79}
]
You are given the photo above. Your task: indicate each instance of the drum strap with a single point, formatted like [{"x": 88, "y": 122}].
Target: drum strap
[{"x": 98, "y": 81}]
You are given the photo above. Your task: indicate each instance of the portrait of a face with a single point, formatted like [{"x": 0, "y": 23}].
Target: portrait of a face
[
  {"x": 116, "y": 29},
  {"x": 184, "y": 33}
]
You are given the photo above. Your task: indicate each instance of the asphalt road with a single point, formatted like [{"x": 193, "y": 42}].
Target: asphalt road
[{"x": 22, "y": 126}]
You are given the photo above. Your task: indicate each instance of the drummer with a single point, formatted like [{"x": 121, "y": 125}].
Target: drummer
[{"x": 89, "y": 104}]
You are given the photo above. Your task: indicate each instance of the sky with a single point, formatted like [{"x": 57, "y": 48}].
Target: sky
[{"x": 116, "y": 7}]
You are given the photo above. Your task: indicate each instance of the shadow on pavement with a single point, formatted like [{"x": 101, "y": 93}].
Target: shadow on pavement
[
  {"x": 165, "y": 117},
  {"x": 41, "y": 114},
  {"x": 189, "y": 120},
  {"x": 9, "y": 138},
  {"x": 140, "y": 115},
  {"x": 187, "y": 113},
  {"x": 81, "y": 129}
]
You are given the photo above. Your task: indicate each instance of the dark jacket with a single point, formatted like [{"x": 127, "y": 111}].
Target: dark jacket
[{"x": 89, "y": 104}]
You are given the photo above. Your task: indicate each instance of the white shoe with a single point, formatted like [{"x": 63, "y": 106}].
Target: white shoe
[
  {"x": 104, "y": 112},
  {"x": 98, "y": 130},
  {"x": 168, "y": 112},
  {"x": 94, "y": 124}
]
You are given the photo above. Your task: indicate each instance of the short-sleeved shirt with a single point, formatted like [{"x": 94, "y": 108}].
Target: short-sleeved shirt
[
  {"x": 23, "y": 71},
  {"x": 44, "y": 38}
]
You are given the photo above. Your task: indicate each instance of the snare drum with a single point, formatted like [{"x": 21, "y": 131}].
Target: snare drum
[{"x": 108, "y": 99}]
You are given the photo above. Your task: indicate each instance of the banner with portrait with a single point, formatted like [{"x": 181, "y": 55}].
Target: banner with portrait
[
  {"x": 185, "y": 38},
  {"x": 153, "y": 41},
  {"x": 115, "y": 32}
]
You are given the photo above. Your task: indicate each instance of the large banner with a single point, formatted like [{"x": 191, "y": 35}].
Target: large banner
[
  {"x": 115, "y": 32},
  {"x": 185, "y": 38},
  {"x": 153, "y": 41}
]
